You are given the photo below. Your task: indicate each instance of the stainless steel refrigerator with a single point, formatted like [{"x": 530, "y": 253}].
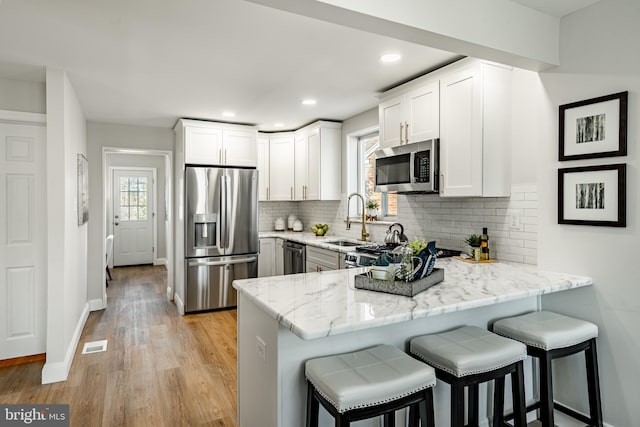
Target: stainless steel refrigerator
[{"x": 221, "y": 236}]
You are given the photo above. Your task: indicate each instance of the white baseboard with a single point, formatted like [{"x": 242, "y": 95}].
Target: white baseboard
[
  {"x": 53, "y": 372},
  {"x": 96, "y": 304},
  {"x": 169, "y": 293},
  {"x": 179, "y": 303},
  {"x": 161, "y": 261}
]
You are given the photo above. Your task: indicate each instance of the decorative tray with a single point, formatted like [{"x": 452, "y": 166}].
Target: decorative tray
[{"x": 408, "y": 289}]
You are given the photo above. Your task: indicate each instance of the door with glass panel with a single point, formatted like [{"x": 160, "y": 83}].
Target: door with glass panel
[{"x": 133, "y": 217}]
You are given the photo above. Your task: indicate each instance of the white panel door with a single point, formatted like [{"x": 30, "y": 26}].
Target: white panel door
[
  {"x": 391, "y": 119},
  {"x": 239, "y": 148},
  {"x": 263, "y": 168},
  {"x": 281, "y": 178},
  {"x": 133, "y": 212},
  {"x": 301, "y": 166},
  {"x": 423, "y": 112},
  {"x": 312, "y": 192},
  {"x": 461, "y": 133},
  {"x": 203, "y": 146},
  {"x": 22, "y": 242}
]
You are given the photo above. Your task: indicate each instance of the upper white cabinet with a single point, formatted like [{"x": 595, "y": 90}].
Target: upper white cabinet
[
  {"x": 281, "y": 170},
  {"x": 475, "y": 119},
  {"x": 411, "y": 116},
  {"x": 211, "y": 143},
  {"x": 263, "y": 166},
  {"x": 318, "y": 167}
]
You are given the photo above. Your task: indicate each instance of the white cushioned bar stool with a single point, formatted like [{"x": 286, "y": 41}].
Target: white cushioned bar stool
[
  {"x": 469, "y": 356},
  {"x": 549, "y": 336},
  {"x": 369, "y": 383}
]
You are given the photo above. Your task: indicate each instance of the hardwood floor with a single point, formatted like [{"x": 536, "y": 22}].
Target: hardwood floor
[{"x": 160, "y": 369}]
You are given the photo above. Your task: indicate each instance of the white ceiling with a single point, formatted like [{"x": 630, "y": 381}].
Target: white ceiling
[
  {"x": 149, "y": 62},
  {"x": 558, "y": 8}
]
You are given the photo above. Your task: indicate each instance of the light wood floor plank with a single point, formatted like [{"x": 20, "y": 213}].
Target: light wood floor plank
[{"x": 160, "y": 369}]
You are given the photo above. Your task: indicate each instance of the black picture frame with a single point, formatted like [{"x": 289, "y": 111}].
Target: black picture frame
[
  {"x": 585, "y": 132},
  {"x": 581, "y": 201}
]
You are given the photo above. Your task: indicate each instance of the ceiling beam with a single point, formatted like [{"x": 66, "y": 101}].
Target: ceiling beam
[{"x": 497, "y": 30}]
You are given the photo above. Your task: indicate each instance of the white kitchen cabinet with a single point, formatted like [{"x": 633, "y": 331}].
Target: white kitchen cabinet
[
  {"x": 266, "y": 257},
  {"x": 320, "y": 259},
  {"x": 474, "y": 142},
  {"x": 212, "y": 143},
  {"x": 318, "y": 167},
  {"x": 263, "y": 167},
  {"x": 281, "y": 167},
  {"x": 409, "y": 117}
]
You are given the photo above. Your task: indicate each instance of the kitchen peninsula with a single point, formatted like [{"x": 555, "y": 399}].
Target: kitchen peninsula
[{"x": 285, "y": 320}]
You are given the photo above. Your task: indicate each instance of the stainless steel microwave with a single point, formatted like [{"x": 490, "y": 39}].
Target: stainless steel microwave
[{"x": 410, "y": 168}]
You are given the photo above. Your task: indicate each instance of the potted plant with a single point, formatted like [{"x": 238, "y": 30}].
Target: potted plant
[
  {"x": 474, "y": 241},
  {"x": 372, "y": 210}
]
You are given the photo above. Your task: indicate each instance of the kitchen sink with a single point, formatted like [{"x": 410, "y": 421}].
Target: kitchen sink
[{"x": 345, "y": 243}]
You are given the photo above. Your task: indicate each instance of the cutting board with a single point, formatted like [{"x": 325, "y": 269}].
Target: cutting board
[{"x": 473, "y": 261}]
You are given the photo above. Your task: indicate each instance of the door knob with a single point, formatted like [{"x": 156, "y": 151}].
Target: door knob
[
  {"x": 117, "y": 223},
  {"x": 117, "y": 217}
]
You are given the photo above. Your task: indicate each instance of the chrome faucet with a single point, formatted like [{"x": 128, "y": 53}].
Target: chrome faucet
[{"x": 364, "y": 230}]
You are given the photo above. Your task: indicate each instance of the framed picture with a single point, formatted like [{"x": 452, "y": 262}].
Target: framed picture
[
  {"x": 83, "y": 189},
  {"x": 594, "y": 128},
  {"x": 592, "y": 195}
]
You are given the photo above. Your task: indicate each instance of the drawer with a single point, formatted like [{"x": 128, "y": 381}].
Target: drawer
[{"x": 325, "y": 257}]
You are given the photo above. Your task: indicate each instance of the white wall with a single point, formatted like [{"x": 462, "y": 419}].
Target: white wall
[
  {"x": 17, "y": 95},
  {"x": 117, "y": 136},
  {"x": 67, "y": 305},
  {"x": 598, "y": 57}
]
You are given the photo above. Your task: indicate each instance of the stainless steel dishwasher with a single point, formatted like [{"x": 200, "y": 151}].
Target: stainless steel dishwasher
[{"x": 294, "y": 257}]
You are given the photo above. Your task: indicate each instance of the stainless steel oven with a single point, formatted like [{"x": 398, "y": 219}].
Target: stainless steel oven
[{"x": 409, "y": 168}]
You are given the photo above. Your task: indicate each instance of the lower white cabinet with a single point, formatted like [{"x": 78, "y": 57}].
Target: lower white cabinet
[
  {"x": 320, "y": 259},
  {"x": 267, "y": 257},
  {"x": 279, "y": 257}
]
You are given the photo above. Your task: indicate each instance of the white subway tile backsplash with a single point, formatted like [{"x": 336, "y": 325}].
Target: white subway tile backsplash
[{"x": 428, "y": 216}]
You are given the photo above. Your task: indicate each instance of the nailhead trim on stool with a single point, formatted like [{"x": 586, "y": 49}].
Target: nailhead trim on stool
[
  {"x": 369, "y": 383},
  {"x": 551, "y": 336},
  {"x": 469, "y": 356}
]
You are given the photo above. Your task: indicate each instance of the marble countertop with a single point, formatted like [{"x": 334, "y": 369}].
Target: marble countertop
[
  {"x": 308, "y": 238},
  {"x": 315, "y": 305}
]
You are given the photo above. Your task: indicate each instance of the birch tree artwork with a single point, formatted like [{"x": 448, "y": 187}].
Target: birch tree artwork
[{"x": 590, "y": 195}]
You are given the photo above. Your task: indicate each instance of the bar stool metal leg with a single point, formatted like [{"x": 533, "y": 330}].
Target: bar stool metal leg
[{"x": 313, "y": 407}]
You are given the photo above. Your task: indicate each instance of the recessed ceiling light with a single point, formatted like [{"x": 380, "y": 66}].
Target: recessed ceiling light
[
  {"x": 390, "y": 57},
  {"x": 309, "y": 102},
  {"x": 278, "y": 125},
  {"x": 228, "y": 114}
]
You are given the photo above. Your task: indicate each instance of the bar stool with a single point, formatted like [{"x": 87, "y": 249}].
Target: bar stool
[
  {"x": 468, "y": 356},
  {"x": 549, "y": 336},
  {"x": 370, "y": 383}
]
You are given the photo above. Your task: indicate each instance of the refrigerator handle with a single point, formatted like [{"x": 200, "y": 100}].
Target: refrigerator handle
[
  {"x": 223, "y": 213},
  {"x": 218, "y": 263},
  {"x": 227, "y": 205}
]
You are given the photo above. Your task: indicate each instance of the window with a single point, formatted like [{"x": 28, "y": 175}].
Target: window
[
  {"x": 387, "y": 202},
  {"x": 133, "y": 198}
]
